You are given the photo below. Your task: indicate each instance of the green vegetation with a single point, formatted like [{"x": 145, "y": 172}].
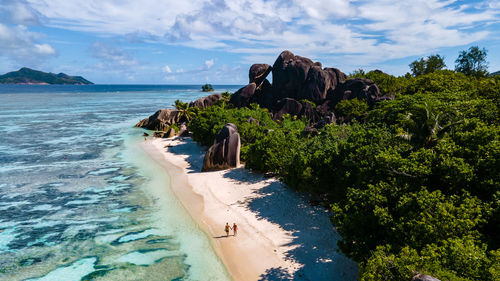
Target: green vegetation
[
  {"x": 26, "y": 75},
  {"x": 413, "y": 183},
  {"x": 427, "y": 65},
  {"x": 207, "y": 88},
  {"x": 472, "y": 62}
]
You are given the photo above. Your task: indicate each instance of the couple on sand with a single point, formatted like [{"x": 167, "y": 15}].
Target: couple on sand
[{"x": 234, "y": 228}]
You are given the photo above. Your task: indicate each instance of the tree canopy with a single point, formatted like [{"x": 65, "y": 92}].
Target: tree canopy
[
  {"x": 413, "y": 183},
  {"x": 427, "y": 65},
  {"x": 472, "y": 62}
]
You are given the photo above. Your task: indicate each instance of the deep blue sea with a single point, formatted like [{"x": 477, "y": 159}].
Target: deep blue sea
[{"x": 80, "y": 201}]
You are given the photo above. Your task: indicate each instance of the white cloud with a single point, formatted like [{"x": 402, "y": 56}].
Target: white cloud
[
  {"x": 18, "y": 44},
  {"x": 371, "y": 31},
  {"x": 167, "y": 69},
  {"x": 112, "y": 56},
  {"x": 45, "y": 49},
  {"x": 18, "y": 12},
  {"x": 209, "y": 63}
]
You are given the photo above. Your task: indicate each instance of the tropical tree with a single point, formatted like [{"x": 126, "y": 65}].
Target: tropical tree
[
  {"x": 183, "y": 107},
  {"x": 472, "y": 62},
  {"x": 427, "y": 65}
]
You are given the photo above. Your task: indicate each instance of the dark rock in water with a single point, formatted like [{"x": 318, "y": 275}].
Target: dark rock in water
[
  {"x": 359, "y": 88},
  {"x": 161, "y": 120},
  {"x": 225, "y": 152},
  {"x": 145, "y": 134},
  {"x": 243, "y": 96},
  {"x": 423, "y": 277},
  {"x": 258, "y": 73},
  {"x": 207, "y": 101}
]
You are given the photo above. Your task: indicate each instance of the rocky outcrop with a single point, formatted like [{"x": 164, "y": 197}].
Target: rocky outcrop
[
  {"x": 287, "y": 106},
  {"x": 183, "y": 131},
  {"x": 356, "y": 88},
  {"x": 299, "y": 78},
  {"x": 295, "y": 108},
  {"x": 161, "y": 120},
  {"x": 423, "y": 277},
  {"x": 205, "y": 101},
  {"x": 225, "y": 152},
  {"x": 319, "y": 82},
  {"x": 258, "y": 73},
  {"x": 289, "y": 73},
  {"x": 170, "y": 133},
  {"x": 244, "y": 96}
]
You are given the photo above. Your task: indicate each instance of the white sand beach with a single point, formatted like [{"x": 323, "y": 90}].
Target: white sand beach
[{"x": 280, "y": 236}]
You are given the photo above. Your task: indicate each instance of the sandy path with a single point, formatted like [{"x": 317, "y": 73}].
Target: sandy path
[{"x": 280, "y": 235}]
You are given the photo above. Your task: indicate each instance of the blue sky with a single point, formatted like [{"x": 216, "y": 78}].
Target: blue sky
[{"x": 198, "y": 41}]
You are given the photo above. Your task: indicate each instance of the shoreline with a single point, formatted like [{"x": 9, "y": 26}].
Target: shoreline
[{"x": 279, "y": 237}]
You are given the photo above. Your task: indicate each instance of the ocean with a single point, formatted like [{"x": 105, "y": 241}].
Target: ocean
[{"x": 80, "y": 201}]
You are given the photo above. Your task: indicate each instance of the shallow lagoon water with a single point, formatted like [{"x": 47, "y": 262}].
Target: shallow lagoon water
[{"x": 80, "y": 201}]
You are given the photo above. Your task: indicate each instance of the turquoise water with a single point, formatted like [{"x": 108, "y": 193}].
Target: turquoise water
[{"x": 80, "y": 201}]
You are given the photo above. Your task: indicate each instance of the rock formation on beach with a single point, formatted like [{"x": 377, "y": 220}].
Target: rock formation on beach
[
  {"x": 206, "y": 101},
  {"x": 297, "y": 80},
  {"x": 225, "y": 152},
  {"x": 161, "y": 120},
  {"x": 300, "y": 88}
]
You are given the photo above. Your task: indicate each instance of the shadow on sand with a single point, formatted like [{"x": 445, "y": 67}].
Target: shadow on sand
[{"x": 314, "y": 243}]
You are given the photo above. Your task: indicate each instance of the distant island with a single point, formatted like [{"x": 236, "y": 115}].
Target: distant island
[
  {"x": 207, "y": 88},
  {"x": 29, "y": 76}
]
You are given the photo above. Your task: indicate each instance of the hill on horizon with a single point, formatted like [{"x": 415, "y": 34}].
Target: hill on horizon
[{"x": 30, "y": 76}]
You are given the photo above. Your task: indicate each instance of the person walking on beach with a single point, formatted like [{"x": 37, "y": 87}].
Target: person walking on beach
[
  {"x": 226, "y": 228},
  {"x": 235, "y": 229}
]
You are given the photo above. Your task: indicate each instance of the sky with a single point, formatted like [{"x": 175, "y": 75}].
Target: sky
[{"x": 216, "y": 41}]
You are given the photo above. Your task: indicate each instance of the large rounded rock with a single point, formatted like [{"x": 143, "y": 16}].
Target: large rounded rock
[
  {"x": 243, "y": 96},
  {"x": 336, "y": 77},
  {"x": 205, "y": 101},
  {"x": 300, "y": 78},
  {"x": 225, "y": 152},
  {"x": 356, "y": 88},
  {"x": 258, "y": 73},
  {"x": 161, "y": 120},
  {"x": 289, "y": 74},
  {"x": 316, "y": 85},
  {"x": 264, "y": 95},
  {"x": 309, "y": 112},
  {"x": 287, "y": 106}
]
